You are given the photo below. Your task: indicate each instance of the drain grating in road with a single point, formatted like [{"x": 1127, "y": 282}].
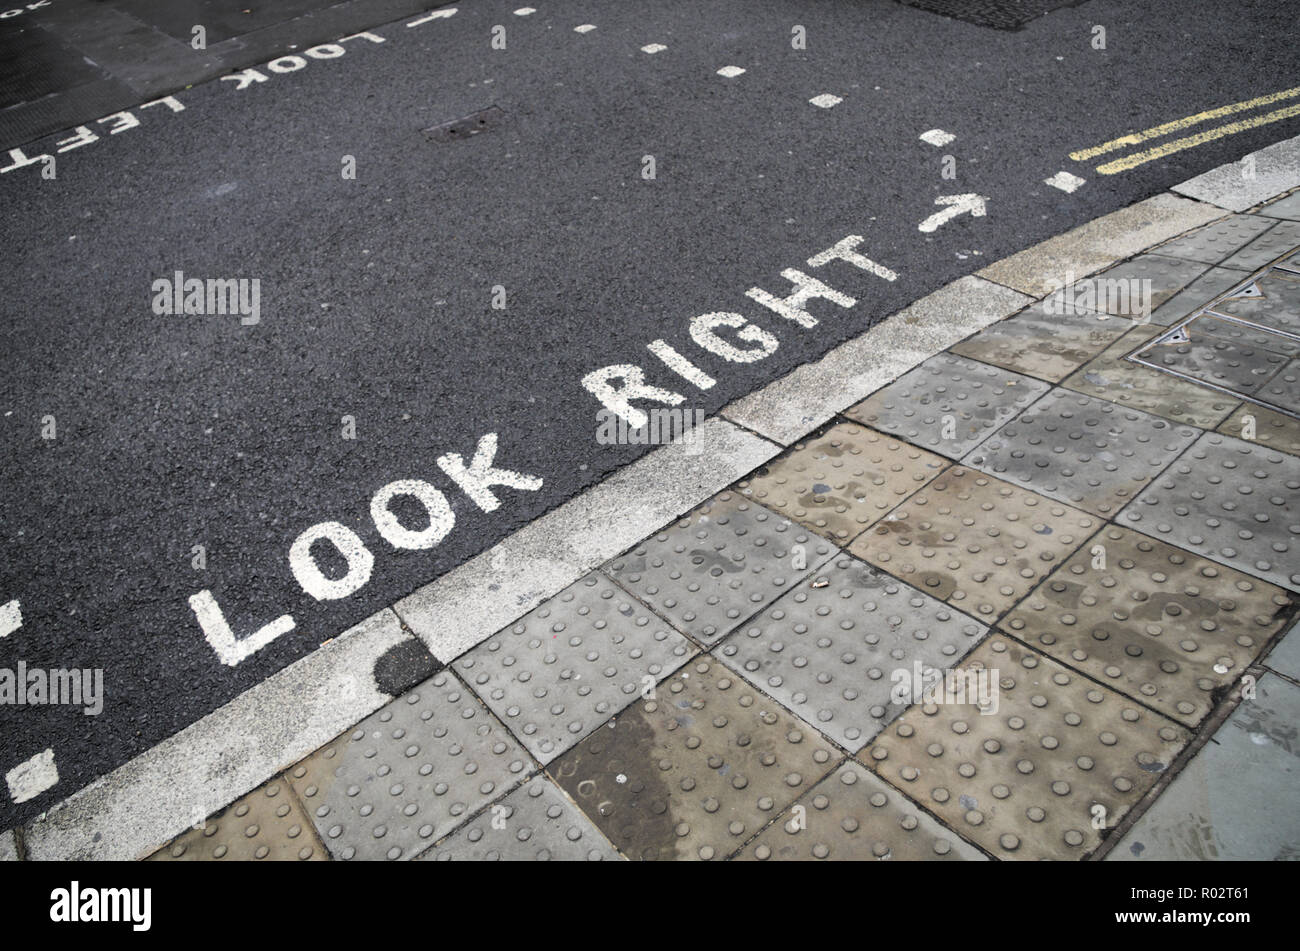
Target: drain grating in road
[{"x": 1060, "y": 759}]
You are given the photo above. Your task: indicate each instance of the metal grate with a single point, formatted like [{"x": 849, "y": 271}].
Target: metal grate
[{"x": 998, "y": 14}]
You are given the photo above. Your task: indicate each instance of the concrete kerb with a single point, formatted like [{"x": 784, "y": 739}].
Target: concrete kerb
[{"x": 140, "y": 806}]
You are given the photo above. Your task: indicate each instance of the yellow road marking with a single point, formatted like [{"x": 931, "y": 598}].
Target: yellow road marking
[
  {"x": 1191, "y": 141},
  {"x": 1156, "y": 132}
]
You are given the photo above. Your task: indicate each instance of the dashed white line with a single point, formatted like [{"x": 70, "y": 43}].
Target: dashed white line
[
  {"x": 585, "y": 28},
  {"x": 28, "y": 780},
  {"x": 525, "y": 11},
  {"x": 825, "y": 100},
  {"x": 11, "y": 617},
  {"x": 730, "y": 72},
  {"x": 435, "y": 15},
  {"x": 1064, "y": 181},
  {"x": 937, "y": 137},
  {"x": 653, "y": 48}
]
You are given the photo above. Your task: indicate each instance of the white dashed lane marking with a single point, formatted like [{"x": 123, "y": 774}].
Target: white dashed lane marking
[
  {"x": 825, "y": 100},
  {"x": 1064, "y": 181},
  {"x": 653, "y": 48},
  {"x": 28, "y": 780},
  {"x": 585, "y": 28},
  {"x": 730, "y": 72},
  {"x": 937, "y": 137},
  {"x": 11, "y": 617}
]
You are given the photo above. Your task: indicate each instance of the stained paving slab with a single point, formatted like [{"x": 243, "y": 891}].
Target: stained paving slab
[
  {"x": 1285, "y": 655},
  {"x": 1134, "y": 289},
  {"x": 1233, "y": 501},
  {"x": 267, "y": 824},
  {"x": 1215, "y": 282},
  {"x": 948, "y": 404},
  {"x": 1276, "y": 305},
  {"x": 696, "y": 771},
  {"x": 831, "y": 650},
  {"x": 975, "y": 541},
  {"x": 571, "y": 663},
  {"x": 1217, "y": 241},
  {"x": 843, "y": 481},
  {"x": 1170, "y": 629},
  {"x": 1042, "y": 345},
  {"x": 1265, "y": 426},
  {"x": 1060, "y": 758},
  {"x": 1239, "y": 797},
  {"x": 1221, "y": 353},
  {"x": 720, "y": 564},
  {"x": 1280, "y": 241}
]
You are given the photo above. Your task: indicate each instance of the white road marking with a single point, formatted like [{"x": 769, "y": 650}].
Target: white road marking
[
  {"x": 348, "y": 544},
  {"x": 476, "y": 479},
  {"x": 937, "y": 137},
  {"x": 806, "y": 288},
  {"x": 825, "y": 100},
  {"x": 525, "y": 11},
  {"x": 435, "y": 15},
  {"x": 585, "y": 28},
  {"x": 230, "y": 650},
  {"x": 11, "y": 617},
  {"x": 684, "y": 368},
  {"x": 653, "y": 48},
  {"x": 956, "y": 205},
  {"x": 28, "y": 780},
  {"x": 441, "y": 518},
  {"x": 843, "y": 250},
  {"x": 730, "y": 72},
  {"x": 1064, "y": 181}
]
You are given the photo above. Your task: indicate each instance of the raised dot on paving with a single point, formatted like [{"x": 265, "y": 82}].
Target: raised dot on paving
[
  {"x": 977, "y": 542},
  {"x": 1056, "y": 758},
  {"x": 853, "y": 815},
  {"x": 1217, "y": 241},
  {"x": 1233, "y": 502},
  {"x": 948, "y": 404},
  {"x": 696, "y": 771},
  {"x": 1157, "y": 623},
  {"x": 825, "y": 101},
  {"x": 719, "y": 565},
  {"x": 267, "y": 824},
  {"x": 730, "y": 72},
  {"x": 1280, "y": 240},
  {"x": 832, "y": 650},
  {"x": 1089, "y": 453},
  {"x": 535, "y": 823},
  {"x": 409, "y": 773},
  {"x": 571, "y": 663},
  {"x": 842, "y": 481}
]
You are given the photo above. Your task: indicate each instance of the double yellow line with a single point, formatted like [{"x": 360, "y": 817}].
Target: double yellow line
[{"x": 1191, "y": 141}]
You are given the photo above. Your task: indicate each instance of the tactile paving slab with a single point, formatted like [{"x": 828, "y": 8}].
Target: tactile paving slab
[
  {"x": 1221, "y": 353},
  {"x": 1276, "y": 305},
  {"x": 268, "y": 824},
  {"x": 695, "y": 772},
  {"x": 948, "y": 404},
  {"x": 1089, "y": 453},
  {"x": 1049, "y": 347},
  {"x": 1283, "y": 388},
  {"x": 1265, "y": 426},
  {"x": 854, "y": 815},
  {"x": 842, "y": 481},
  {"x": 1233, "y": 501},
  {"x": 571, "y": 663},
  {"x": 1161, "y": 625},
  {"x": 1268, "y": 247},
  {"x": 719, "y": 565},
  {"x": 832, "y": 649},
  {"x": 1147, "y": 281},
  {"x": 1111, "y": 377},
  {"x": 1060, "y": 755},
  {"x": 1215, "y": 281},
  {"x": 535, "y": 823},
  {"x": 975, "y": 541},
  {"x": 409, "y": 773},
  {"x": 1218, "y": 240}
]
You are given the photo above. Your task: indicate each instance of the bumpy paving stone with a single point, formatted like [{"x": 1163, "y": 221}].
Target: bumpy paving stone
[
  {"x": 842, "y": 481},
  {"x": 571, "y": 663},
  {"x": 1132, "y": 289},
  {"x": 535, "y": 823},
  {"x": 1158, "y": 624},
  {"x": 975, "y": 541},
  {"x": 831, "y": 649},
  {"x": 1199, "y": 293},
  {"x": 1268, "y": 247},
  {"x": 726, "y": 560},
  {"x": 1219, "y": 352},
  {"x": 1271, "y": 429},
  {"x": 1283, "y": 389},
  {"x": 1235, "y": 502},
  {"x": 1089, "y": 453},
  {"x": 1236, "y": 799},
  {"x": 853, "y": 815},
  {"x": 948, "y": 404},
  {"x": 1048, "y": 347},
  {"x": 1026, "y": 782},
  {"x": 695, "y": 772},
  {"x": 1219, "y": 240},
  {"x": 409, "y": 773},
  {"x": 1285, "y": 656},
  {"x": 1277, "y": 305},
  {"x": 1111, "y": 377},
  {"x": 1288, "y": 207},
  {"x": 267, "y": 824}
]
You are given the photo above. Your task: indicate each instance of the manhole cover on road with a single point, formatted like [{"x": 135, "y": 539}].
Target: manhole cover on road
[{"x": 998, "y": 14}]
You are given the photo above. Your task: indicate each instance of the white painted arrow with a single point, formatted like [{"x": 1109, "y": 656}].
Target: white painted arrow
[
  {"x": 957, "y": 204},
  {"x": 435, "y": 15}
]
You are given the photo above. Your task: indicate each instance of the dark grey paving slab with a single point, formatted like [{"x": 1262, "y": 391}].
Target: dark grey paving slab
[
  {"x": 1264, "y": 426},
  {"x": 1276, "y": 304},
  {"x": 535, "y": 823},
  {"x": 1285, "y": 656},
  {"x": 948, "y": 404},
  {"x": 717, "y": 566},
  {"x": 1086, "y": 452},
  {"x": 829, "y": 650},
  {"x": 1288, "y": 207},
  {"x": 409, "y": 773},
  {"x": 1198, "y": 294},
  {"x": 1218, "y": 240},
  {"x": 571, "y": 663},
  {"x": 1220, "y": 352},
  {"x": 1133, "y": 289},
  {"x": 1283, "y": 388},
  {"x": 1237, "y": 799},
  {"x": 1047, "y": 346},
  {"x": 1273, "y": 244},
  {"x": 1235, "y": 502}
]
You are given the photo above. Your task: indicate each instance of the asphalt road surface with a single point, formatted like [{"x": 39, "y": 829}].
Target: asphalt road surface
[{"x": 130, "y": 438}]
